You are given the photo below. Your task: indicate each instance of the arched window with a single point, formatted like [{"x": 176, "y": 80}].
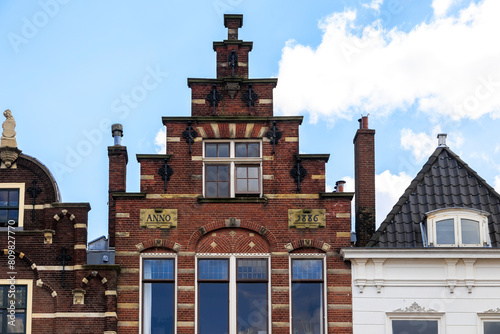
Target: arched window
[{"x": 458, "y": 227}]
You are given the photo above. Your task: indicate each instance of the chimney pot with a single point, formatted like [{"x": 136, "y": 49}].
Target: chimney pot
[
  {"x": 117, "y": 133},
  {"x": 363, "y": 122},
  {"x": 339, "y": 186},
  {"x": 442, "y": 140}
]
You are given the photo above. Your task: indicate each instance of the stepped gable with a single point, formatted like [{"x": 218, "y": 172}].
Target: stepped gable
[{"x": 445, "y": 181}]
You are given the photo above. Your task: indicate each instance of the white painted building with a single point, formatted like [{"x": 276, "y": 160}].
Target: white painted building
[{"x": 433, "y": 266}]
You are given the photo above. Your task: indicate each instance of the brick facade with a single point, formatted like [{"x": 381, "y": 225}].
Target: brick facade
[
  {"x": 33, "y": 252},
  {"x": 234, "y": 225}
]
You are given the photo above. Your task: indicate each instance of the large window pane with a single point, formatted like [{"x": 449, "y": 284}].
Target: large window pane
[
  {"x": 213, "y": 269},
  {"x": 14, "y": 197},
  {"x": 491, "y": 327},
  {"x": 217, "y": 181},
  {"x": 415, "y": 327},
  {"x": 20, "y": 301},
  {"x": 252, "y": 308},
  {"x": 470, "y": 231},
  {"x": 213, "y": 317},
  {"x": 445, "y": 232},
  {"x": 159, "y": 308},
  {"x": 217, "y": 150},
  {"x": 307, "y": 308}
]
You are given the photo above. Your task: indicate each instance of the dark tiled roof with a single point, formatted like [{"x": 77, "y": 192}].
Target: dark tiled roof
[{"x": 445, "y": 181}]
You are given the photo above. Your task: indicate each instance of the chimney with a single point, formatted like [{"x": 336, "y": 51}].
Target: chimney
[
  {"x": 364, "y": 173},
  {"x": 118, "y": 160},
  {"x": 442, "y": 140}
]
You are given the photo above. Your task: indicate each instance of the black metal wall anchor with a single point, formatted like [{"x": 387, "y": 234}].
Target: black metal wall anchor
[
  {"x": 166, "y": 172},
  {"x": 64, "y": 258},
  {"x": 34, "y": 192},
  {"x": 274, "y": 135},
  {"x": 298, "y": 173},
  {"x": 250, "y": 97},
  {"x": 232, "y": 58},
  {"x": 214, "y": 97},
  {"x": 190, "y": 134}
]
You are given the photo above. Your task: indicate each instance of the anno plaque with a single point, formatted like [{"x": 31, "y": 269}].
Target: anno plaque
[
  {"x": 306, "y": 218},
  {"x": 158, "y": 218}
]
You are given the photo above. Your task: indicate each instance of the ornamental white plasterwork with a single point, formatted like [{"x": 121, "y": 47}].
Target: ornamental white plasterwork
[
  {"x": 493, "y": 311},
  {"x": 415, "y": 308}
]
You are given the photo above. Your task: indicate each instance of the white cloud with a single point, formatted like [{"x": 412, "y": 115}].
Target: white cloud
[
  {"x": 389, "y": 188},
  {"x": 440, "y": 7},
  {"x": 374, "y": 4},
  {"x": 161, "y": 141},
  {"x": 423, "y": 144},
  {"x": 447, "y": 67}
]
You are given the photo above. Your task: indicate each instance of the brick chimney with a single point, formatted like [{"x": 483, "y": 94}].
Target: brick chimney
[
  {"x": 118, "y": 159},
  {"x": 364, "y": 173}
]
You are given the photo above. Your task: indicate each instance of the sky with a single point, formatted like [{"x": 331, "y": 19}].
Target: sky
[{"x": 71, "y": 68}]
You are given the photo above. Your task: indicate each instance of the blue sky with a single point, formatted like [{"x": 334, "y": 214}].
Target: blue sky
[{"x": 70, "y": 68}]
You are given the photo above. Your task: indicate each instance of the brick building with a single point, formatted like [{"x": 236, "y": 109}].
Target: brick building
[
  {"x": 232, "y": 230},
  {"x": 45, "y": 284}
]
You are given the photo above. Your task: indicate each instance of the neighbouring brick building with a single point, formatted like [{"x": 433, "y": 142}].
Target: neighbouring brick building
[
  {"x": 45, "y": 284},
  {"x": 232, "y": 230}
]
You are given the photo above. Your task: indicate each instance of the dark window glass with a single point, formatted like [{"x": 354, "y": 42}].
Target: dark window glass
[
  {"x": 445, "y": 232},
  {"x": 158, "y": 296},
  {"x": 213, "y": 269},
  {"x": 20, "y": 297},
  {"x": 415, "y": 327},
  {"x": 217, "y": 150},
  {"x": 470, "y": 232},
  {"x": 217, "y": 181},
  {"x": 213, "y": 312},
  {"x": 252, "y": 308},
  {"x": 491, "y": 327},
  {"x": 307, "y": 308},
  {"x": 9, "y": 206},
  {"x": 247, "y": 179},
  {"x": 158, "y": 308},
  {"x": 247, "y": 150}
]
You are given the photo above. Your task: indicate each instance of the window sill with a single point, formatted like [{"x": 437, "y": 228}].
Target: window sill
[{"x": 232, "y": 199}]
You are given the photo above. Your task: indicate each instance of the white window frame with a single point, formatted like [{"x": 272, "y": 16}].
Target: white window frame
[
  {"x": 233, "y": 285},
  {"x": 456, "y": 214},
  {"x": 156, "y": 256},
  {"x": 325, "y": 295},
  {"x": 232, "y": 161},
  {"x": 482, "y": 317},
  {"x": 425, "y": 316},
  {"x": 29, "y": 299},
  {"x": 21, "y": 187}
]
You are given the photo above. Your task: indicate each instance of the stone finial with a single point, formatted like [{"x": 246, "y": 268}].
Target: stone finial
[
  {"x": 8, "y": 134},
  {"x": 8, "y": 145}
]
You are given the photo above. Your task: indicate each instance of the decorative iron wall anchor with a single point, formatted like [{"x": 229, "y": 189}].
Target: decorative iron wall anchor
[
  {"x": 232, "y": 58},
  {"x": 214, "y": 97},
  {"x": 165, "y": 172},
  {"x": 34, "y": 191},
  {"x": 64, "y": 258},
  {"x": 250, "y": 97},
  {"x": 274, "y": 135},
  {"x": 298, "y": 173},
  {"x": 190, "y": 134}
]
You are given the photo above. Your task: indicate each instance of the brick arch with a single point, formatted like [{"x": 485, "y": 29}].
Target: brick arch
[
  {"x": 307, "y": 243},
  {"x": 232, "y": 240},
  {"x": 196, "y": 236},
  {"x": 38, "y": 281},
  {"x": 64, "y": 213},
  {"x": 158, "y": 243},
  {"x": 94, "y": 274}
]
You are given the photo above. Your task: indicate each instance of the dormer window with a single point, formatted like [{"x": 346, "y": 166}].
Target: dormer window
[
  {"x": 232, "y": 168},
  {"x": 457, "y": 227}
]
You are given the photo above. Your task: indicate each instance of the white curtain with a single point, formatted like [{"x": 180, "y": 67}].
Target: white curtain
[{"x": 148, "y": 301}]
